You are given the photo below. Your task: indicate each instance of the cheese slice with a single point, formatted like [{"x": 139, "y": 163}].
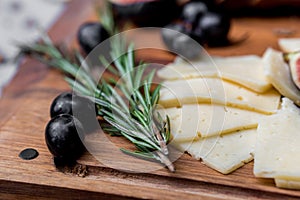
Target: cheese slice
[
  {"x": 277, "y": 71},
  {"x": 277, "y": 149},
  {"x": 214, "y": 90},
  {"x": 289, "y": 44},
  {"x": 184, "y": 124},
  {"x": 287, "y": 183},
  {"x": 247, "y": 71},
  {"x": 223, "y": 153},
  {"x": 205, "y": 120}
]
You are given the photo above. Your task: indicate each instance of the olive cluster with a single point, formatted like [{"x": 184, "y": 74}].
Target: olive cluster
[
  {"x": 71, "y": 118},
  {"x": 186, "y": 28},
  {"x": 200, "y": 23}
]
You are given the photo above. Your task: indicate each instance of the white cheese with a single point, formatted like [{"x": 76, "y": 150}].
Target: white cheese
[
  {"x": 247, "y": 71},
  {"x": 205, "y": 120},
  {"x": 184, "y": 124},
  {"x": 223, "y": 153},
  {"x": 214, "y": 90},
  {"x": 278, "y": 73},
  {"x": 289, "y": 44},
  {"x": 277, "y": 148}
]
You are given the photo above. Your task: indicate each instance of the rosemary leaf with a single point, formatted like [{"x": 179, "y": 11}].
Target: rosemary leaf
[
  {"x": 147, "y": 94},
  {"x": 155, "y": 95},
  {"x": 138, "y": 75},
  {"x": 78, "y": 87},
  {"x": 139, "y": 154},
  {"x": 137, "y": 143}
]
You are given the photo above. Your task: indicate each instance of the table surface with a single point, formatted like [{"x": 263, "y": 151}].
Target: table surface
[{"x": 24, "y": 114}]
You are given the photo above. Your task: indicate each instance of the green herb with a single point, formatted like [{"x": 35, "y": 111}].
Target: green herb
[
  {"x": 107, "y": 19},
  {"x": 128, "y": 104}
]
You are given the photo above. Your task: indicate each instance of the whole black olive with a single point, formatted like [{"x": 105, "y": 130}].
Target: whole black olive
[
  {"x": 90, "y": 34},
  {"x": 82, "y": 108},
  {"x": 146, "y": 13},
  {"x": 178, "y": 39},
  {"x": 62, "y": 137},
  {"x": 192, "y": 11},
  {"x": 214, "y": 27}
]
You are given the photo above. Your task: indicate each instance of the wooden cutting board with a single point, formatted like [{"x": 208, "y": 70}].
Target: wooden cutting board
[{"x": 24, "y": 113}]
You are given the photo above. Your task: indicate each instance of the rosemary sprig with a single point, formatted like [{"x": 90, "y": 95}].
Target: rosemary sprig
[{"x": 129, "y": 106}]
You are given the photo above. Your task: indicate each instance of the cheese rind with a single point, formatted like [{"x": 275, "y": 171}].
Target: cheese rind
[
  {"x": 278, "y": 73},
  {"x": 223, "y": 153},
  {"x": 190, "y": 122},
  {"x": 214, "y": 90},
  {"x": 247, "y": 71},
  {"x": 277, "y": 148}
]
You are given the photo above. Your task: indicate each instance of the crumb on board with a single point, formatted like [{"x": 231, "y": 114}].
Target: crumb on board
[{"x": 76, "y": 169}]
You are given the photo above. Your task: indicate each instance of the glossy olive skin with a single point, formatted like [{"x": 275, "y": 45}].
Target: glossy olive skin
[
  {"x": 192, "y": 11},
  {"x": 202, "y": 20},
  {"x": 62, "y": 137},
  {"x": 155, "y": 13},
  {"x": 82, "y": 108},
  {"x": 90, "y": 34},
  {"x": 178, "y": 40},
  {"x": 214, "y": 26},
  {"x": 170, "y": 32}
]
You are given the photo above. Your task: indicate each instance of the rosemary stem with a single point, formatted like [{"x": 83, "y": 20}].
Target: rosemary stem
[
  {"x": 161, "y": 142},
  {"x": 166, "y": 161}
]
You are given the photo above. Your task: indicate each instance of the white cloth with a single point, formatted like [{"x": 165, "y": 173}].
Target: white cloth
[{"x": 19, "y": 22}]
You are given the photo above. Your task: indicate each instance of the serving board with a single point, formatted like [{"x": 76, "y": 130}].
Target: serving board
[{"x": 24, "y": 113}]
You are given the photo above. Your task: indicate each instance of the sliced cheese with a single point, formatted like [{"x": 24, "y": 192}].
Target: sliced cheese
[
  {"x": 277, "y": 149},
  {"x": 223, "y": 153},
  {"x": 287, "y": 183},
  {"x": 184, "y": 124},
  {"x": 289, "y": 44},
  {"x": 205, "y": 120},
  {"x": 277, "y": 71},
  {"x": 214, "y": 90},
  {"x": 244, "y": 70}
]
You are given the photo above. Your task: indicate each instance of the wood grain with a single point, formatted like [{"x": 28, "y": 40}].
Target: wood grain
[{"x": 25, "y": 113}]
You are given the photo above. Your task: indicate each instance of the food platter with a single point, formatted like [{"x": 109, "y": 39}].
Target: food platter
[{"x": 23, "y": 120}]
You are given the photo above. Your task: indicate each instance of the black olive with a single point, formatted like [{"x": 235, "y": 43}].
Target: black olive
[
  {"x": 214, "y": 28},
  {"x": 90, "y": 34},
  {"x": 192, "y": 11},
  {"x": 198, "y": 35},
  {"x": 170, "y": 32},
  {"x": 156, "y": 13},
  {"x": 63, "y": 135},
  {"x": 62, "y": 104},
  {"x": 82, "y": 108},
  {"x": 177, "y": 38}
]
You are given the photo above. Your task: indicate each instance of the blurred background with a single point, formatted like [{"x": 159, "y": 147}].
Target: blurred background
[{"x": 22, "y": 20}]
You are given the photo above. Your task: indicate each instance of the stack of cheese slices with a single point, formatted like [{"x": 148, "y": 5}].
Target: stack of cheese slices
[{"x": 227, "y": 111}]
